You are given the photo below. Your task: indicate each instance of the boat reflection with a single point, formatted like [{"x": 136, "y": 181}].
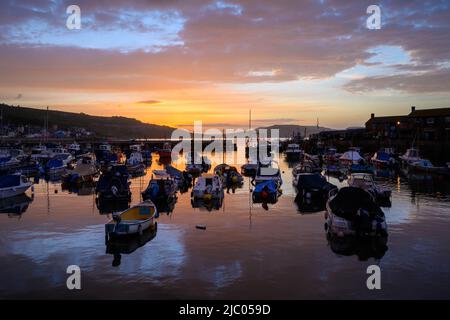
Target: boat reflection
[
  {"x": 128, "y": 244},
  {"x": 428, "y": 184},
  {"x": 107, "y": 206},
  {"x": 207, "y": 204},
  {"x": 15, "y": 206},
  {"x": 309, "y": 205},
  {"x": 166, "y": 206},
  {"x": 81, "y": 189},
  {"x": 363, "y": 247}
]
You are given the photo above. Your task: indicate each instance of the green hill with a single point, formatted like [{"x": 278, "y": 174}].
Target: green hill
[{"x": 114, "y": 127}]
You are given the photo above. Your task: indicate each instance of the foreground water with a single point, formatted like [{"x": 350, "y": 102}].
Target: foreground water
[{"x": 246, "y": 251}]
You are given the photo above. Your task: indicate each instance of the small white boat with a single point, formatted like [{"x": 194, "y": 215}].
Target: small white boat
[
  {"x": 365, "y": 181},
  {"x": 12, "y": 185},
  {"x": 208, "y": 187},
  {"x": 132, "y": 221}
]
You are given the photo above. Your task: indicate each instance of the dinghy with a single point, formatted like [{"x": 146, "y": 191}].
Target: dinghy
[{"x": 132, "y": 221}]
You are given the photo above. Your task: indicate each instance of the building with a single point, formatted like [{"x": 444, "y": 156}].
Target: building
[{"x": 431, "y": 124}]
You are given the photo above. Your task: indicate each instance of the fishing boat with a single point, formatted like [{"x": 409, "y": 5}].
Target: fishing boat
[
  {"x": 269, "y": 172},
  {"x": 266, "y": 192},
  {"x": 135, "y": 163},
  {"x": 306, "y": 166},
  {"x": 350, "y": 157},
  {"x": 134, "y": 220},
  {"x": 13, "y": 184},
  {"x": 55, "y": 167},
  {"x": 366, "y": 182},
  {"x": 182, "y": 178},
  {"x": 40, "y": 153},
  {"x": 353, "y": 211},
  {"x": 425, "y": 166},
  {"x": 293, "y": 152},
  {"x": 161, "y": 188},
  {"x": 313, "y": 186},
  {"x": 383, "y": 159},
  {"x": 113, "y": 184},
  {"x": 84, "y": 171},
  {"x": 230, "y": 175},
  {"x": 207, "y": 187}
]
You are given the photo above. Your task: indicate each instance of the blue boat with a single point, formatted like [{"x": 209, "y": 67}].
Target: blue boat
[{"x": 266, "y": 192}]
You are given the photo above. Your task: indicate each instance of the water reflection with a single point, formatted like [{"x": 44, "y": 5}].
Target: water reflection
[
  {"x": 207, "y": 204},
  {"x": 127, "y": 245},
  {"x": 363, "y": 247},
  {"x": 107, "y": 206},
  {"x": 81, "y": 189},
  {"x": 15, "y": 206}
]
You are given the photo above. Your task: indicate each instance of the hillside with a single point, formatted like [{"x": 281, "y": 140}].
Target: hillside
[
  {"x": 288, "y": 130},
  {"x": 114, "y": 127}
]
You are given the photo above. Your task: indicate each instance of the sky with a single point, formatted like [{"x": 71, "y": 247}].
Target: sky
[{"x": 173, "y": 62}]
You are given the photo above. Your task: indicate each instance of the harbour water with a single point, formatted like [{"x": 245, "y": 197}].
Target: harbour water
[{"x": 246, "y": 251}]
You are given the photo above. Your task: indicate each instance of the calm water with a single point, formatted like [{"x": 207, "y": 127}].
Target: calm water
[{"x": 245, "y": 252}]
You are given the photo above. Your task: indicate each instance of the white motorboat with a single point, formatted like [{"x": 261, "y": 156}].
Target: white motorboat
[
  {"x": 365, "y": 181},
  {"x": 208, "y": 187},
  {"x": 12, "y": 185}
]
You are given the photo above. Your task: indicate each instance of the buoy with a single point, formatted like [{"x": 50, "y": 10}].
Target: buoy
[{"x": 201, "y": 226}]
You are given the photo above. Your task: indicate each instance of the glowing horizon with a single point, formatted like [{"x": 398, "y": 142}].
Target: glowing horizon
[{"x": 171, "y": 63}]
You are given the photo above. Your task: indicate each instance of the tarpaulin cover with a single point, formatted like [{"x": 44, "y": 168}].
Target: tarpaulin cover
[
  {"x": 270, "y": 185},
  {"x": 312, "y": 181},
  {"x": 54, "y": 163},
  {"x": 350, "y": 199},
  {"x": 9, "y": 180}
]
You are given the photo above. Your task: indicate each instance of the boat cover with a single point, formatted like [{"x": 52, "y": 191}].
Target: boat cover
[
  {"x": 270, "y": 184},
  {"x": 10, "y": 180},
  {"x": 312, "y": 181},
  {"x": 349, "y": 200},
  {"x": 382, "y": 156},
  {"x": 54, "y": 163},
  {"x": 351, "y": 156}
]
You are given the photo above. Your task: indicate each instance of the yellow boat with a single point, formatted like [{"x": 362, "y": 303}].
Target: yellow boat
[{"x": 133, "y": 220}]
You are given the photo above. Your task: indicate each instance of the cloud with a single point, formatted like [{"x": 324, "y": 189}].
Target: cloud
[
  {"x": 428, "y": 82},
  {"x": 149, "y": 102}
]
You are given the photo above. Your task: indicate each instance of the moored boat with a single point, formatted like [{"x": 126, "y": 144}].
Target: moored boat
[
  {"x": 161, "y": 188},
  {"x": 353, "y": 211},
  {"x": 132, "y": 221},
  {"x": 208, "y": 187},
  {"x": 293, "y": 152},
  {"x": 13, "y": 184},
  {"x": 366, "y": 182}
]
